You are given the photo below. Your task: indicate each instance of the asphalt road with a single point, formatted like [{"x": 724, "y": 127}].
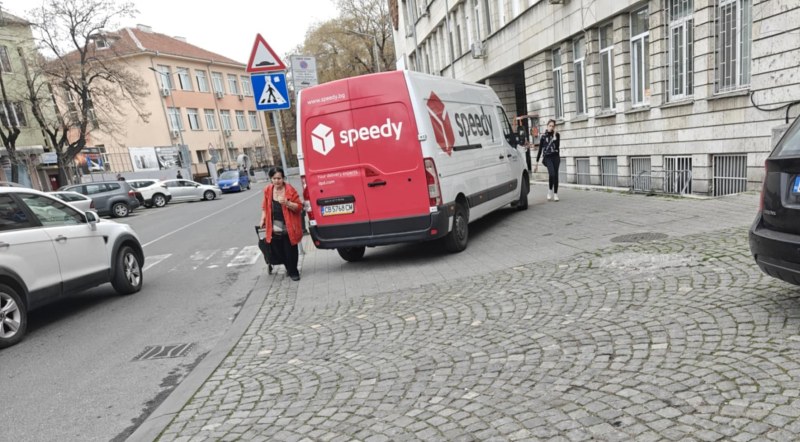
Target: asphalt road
[{"x": 76, "y": 375}]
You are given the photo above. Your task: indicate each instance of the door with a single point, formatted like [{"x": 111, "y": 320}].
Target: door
[
  {"x": 181, "y": 191},
  {"x": 81, "y": 251},
  {"x": 26, "y": 249}
]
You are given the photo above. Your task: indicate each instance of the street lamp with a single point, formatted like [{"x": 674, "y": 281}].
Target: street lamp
[
  {"x": 375, "y": 51},
  {"x": 180, "y": 132}
]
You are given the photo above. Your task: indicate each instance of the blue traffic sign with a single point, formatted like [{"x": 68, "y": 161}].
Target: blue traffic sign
[{"x": 270, "y": 91}]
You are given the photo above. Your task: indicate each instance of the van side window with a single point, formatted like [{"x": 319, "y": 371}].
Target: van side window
[{"x": 509, "y": 134}]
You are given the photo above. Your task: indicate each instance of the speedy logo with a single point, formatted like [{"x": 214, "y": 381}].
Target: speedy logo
[
  {"x": 442, "y": 129},
  {"x": 322, "y": 139}
]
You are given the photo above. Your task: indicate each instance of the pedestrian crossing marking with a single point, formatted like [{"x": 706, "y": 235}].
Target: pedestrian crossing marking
[
  {"x": 201, "y": 256},
  {"x": 247, "y": 256},
  {"x": 271, "y": 95}
]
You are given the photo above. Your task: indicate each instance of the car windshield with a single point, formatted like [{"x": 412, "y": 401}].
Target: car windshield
[
  {"x": 789, "y": 146},
  {"x": 229, "y": 175}
]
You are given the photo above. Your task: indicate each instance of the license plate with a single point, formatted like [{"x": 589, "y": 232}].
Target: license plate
[
  {"x": 338, "y": 209},
  {"x": 796, "y": 185}
]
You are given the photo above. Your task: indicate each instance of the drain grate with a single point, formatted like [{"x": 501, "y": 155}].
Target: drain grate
[
  {"x": 163, "y": 352},
  {"x": 639, "y": 237}
]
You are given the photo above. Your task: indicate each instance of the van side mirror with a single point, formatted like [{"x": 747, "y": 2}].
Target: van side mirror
[{"x": 512, "y": 139}]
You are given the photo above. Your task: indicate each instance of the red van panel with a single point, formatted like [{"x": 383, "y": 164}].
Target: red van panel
[{"x": 362, "y": 159}]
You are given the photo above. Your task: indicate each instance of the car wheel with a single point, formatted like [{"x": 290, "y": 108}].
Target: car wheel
[
  {"x": 209, "y": 195},
  {"x": 13, "y": 317},
  {"x": 456, "y": 240},
  {"x": 120, "y": 210},
  {"x": 159, "y": 200},
  {"x": 128, "y": 272},
  {"x": 522, "y": 204},
  {"x": 351, "y": 254}
]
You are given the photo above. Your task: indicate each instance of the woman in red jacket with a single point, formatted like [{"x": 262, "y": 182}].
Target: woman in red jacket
[{"x": 281, "y": 212}]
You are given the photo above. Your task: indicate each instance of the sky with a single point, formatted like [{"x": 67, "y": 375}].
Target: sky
[{"x": 226, "y": 27}]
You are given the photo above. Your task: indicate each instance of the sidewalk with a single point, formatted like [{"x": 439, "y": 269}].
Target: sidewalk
[{"x": 416, "y": 344}]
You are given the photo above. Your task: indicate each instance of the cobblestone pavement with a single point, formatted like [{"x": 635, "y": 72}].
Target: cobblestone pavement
[{"x": 674, "y": 339}]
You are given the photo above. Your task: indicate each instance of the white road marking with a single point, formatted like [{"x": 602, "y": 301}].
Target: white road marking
[
  {"x": 248, "y": 256},
  {"x": 155, "y": 259}
]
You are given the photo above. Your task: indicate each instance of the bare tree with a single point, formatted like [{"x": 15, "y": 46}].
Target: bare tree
[
  {"x": 91, "y": 87},
  {"x": 9, "y": 128}
]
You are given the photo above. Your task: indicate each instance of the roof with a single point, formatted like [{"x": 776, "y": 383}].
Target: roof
[
  {"x": 11, "y": 18},
  {"x": 133, "y": 41}
]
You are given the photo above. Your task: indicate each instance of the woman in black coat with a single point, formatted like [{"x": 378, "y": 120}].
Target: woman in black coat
[{"x": 549, "y": 151}]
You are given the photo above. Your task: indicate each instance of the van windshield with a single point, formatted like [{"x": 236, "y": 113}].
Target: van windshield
[{"x": 229, "y": 175}]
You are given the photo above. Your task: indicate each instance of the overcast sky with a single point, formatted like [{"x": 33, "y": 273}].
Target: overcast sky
[{"x": 227, "y": 27}]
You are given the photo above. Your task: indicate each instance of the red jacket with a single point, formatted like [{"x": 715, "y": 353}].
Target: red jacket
[{"x": 293, "y": 219}]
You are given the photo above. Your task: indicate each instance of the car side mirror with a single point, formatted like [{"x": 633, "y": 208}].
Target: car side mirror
[
  {"x": 91, "y": 218},
  {"x": 196, "y": 185}
]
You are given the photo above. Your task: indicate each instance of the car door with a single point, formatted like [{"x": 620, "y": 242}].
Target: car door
[
  {"x": 192, "y": 189},
  {"x": 81, "y": 250},
  {"x": 27, "y": 250}
]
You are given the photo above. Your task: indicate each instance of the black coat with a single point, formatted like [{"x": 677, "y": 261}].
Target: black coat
[{"x": 545, "y": 141}]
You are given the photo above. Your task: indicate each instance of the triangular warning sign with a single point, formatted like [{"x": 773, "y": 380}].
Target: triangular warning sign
[
  {"x": 271, "y": 95},
  {"x": 263, "y": 58}
]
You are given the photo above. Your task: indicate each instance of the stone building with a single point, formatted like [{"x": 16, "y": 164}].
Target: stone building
[{"x": 678, "y": 96}]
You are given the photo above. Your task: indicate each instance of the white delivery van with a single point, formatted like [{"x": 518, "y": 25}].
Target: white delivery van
[{"x": 404, "y": 156}]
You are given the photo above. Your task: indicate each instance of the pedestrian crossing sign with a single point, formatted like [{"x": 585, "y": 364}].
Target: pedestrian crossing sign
[{"x": 270, "y": 91}]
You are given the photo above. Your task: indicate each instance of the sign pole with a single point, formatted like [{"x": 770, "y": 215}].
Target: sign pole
[{"x": 278, "y": 129}]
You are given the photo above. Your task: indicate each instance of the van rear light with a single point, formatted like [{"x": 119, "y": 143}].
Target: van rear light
[
  {"x": 306, "y": 199},
  {"x": 434, "y": 191}
]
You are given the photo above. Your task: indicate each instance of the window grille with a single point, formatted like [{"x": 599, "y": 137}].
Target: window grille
[
  {"x": 641, "y": 175},
  {"x": 583, "y": 171},
  {"x": 678, "y": 175},
  {"x": 608, "y": 172},
  {"x": 730, "y": 174}
]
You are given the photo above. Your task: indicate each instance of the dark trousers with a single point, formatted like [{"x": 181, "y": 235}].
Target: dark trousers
[
  {"x": 528, "y": 158},
  {"x": 552, "y": 162},
  {"x": 282, "y": 250}
]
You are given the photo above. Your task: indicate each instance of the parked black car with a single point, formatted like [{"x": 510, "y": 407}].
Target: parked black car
[{"x": 775, "y": 233}]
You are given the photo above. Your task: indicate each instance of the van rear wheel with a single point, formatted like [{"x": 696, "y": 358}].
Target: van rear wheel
[
  {"x": 456, "y": 240},
  {"x": 351, "y": 254}
]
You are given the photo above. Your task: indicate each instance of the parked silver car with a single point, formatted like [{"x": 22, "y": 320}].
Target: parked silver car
[{"x": 186, "y": 190}]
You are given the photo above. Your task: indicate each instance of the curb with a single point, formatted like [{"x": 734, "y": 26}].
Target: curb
[{"x": 162, "y": 416}]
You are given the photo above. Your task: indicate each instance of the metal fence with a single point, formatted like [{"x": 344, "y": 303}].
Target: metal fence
[{"x": 730, "y": 174}]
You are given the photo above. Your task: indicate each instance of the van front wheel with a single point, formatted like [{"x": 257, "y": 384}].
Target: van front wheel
[
  {"x": 456, "y": 240},
  {"x": 351, "y": 254}
]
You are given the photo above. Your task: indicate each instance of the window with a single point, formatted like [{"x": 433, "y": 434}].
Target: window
[
  {"x": 175, "y": 122},
  {"x": 12, "y": 216},
  {"x": 640, "y": 56},
  {"x": 681, "y": 66},
  {"x": 164, "y": 77},
  {"x": 241, "y": 123},
  {"x": 101, "y": 43},
  {"x": 246, "y": 89},
  {"x": 225, "y": 119},
  {"x": 607, "y": 66},
  {"x": 51, "y": 213},
  {"x": 558, "y": 84},
  {"x": 5, "y": 63},
  {"x": 194, "y": 119},
  {"x": 579, "y": 49},
  {"x": 184, "y": 80},
  {"x": 202, "y": 81},
  {"x": 201, "y": 156},
  {"x": 15, "y": 111},
  {"x": 734, "y": 21},
  {"x": 216, "y": 79},
  {"x": 253, "y": 120},
  {"x": 233, "y": 84},
  {"x": 211, "y": 119}
]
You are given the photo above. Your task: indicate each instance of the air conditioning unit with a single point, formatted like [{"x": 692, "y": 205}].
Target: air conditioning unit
[
  {"x": 176, "y": 133},
  {"x": 241, "y": 97},
  {"x": 226, "y": 132},
  {"x": 220, "y": 94},
  {"x": 229, "y": 144},
  {"x": 165, "y": 92},
  {"x": 478, "y": 49},
  {"x": 409, "y": 30},
  {"x": 556, "y": 2}
]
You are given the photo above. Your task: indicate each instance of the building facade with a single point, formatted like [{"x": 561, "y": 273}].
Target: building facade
[
  {"x": 676, "y": 96},
  {"x": 16, "y": 44},
  {"x": 201, "y": 110}
]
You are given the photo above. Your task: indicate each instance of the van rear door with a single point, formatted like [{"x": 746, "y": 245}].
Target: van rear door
[{"x": 362, "y": 159}]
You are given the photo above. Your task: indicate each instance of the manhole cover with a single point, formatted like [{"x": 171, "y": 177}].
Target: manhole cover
[
  {"x": 163, "y": 352},
  {"x": 639, "y": 237}
]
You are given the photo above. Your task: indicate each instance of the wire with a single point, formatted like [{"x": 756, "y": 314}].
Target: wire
[{"x": 788, "y": 106}]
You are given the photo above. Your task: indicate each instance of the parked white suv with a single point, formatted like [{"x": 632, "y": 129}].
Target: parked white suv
[
  {"x": 49, "y": 249},
  {"x": 154, "y": 192}
]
